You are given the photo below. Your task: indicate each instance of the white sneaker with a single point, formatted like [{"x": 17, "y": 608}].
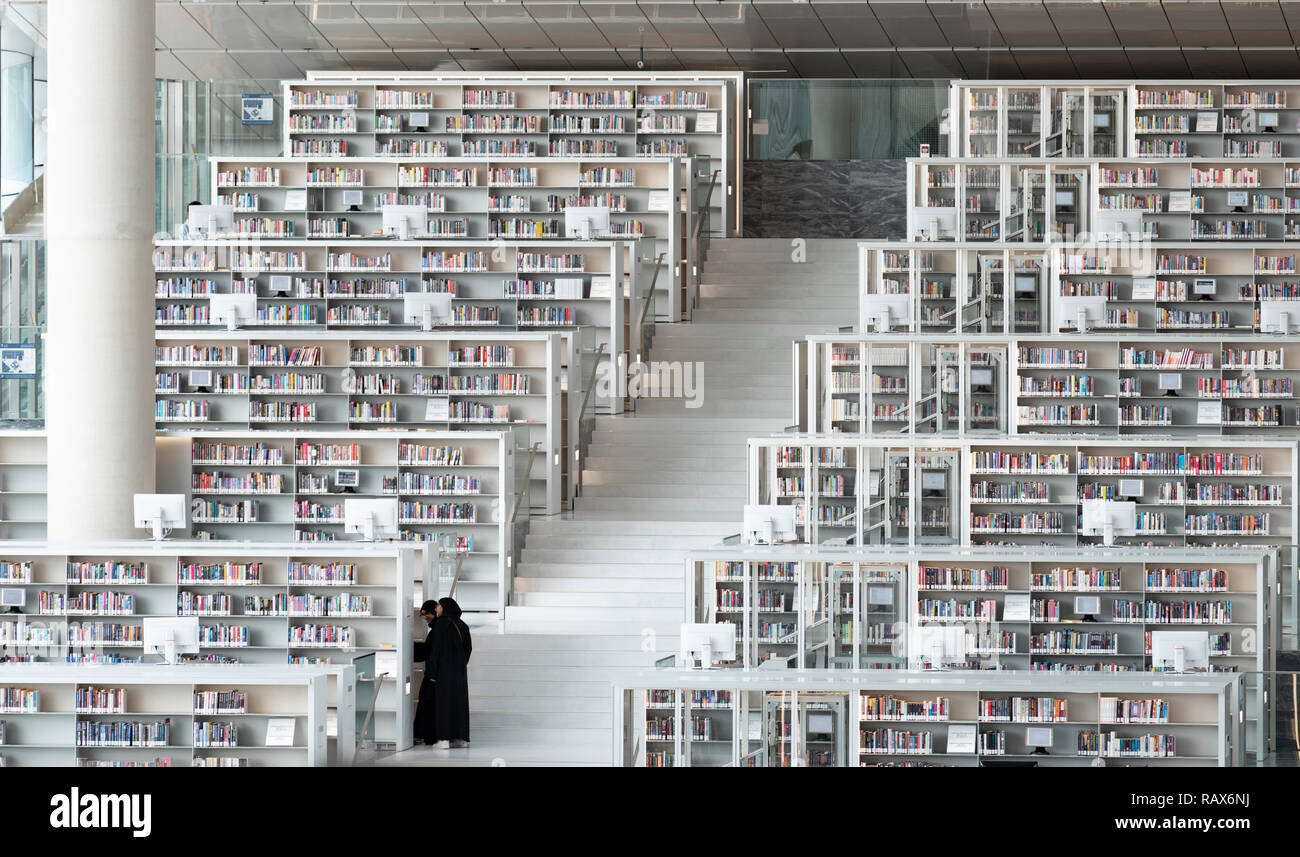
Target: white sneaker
[
  {"x": 442, "y": 745},
  {"x": 458, "y": 744}
]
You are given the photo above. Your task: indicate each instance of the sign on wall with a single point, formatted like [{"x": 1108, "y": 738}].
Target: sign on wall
[
  {"x": 18, "y": 361},
  {"x": 257, "y": 108}
]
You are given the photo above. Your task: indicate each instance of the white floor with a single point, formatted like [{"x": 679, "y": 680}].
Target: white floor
[{"x": 495, "y": 754}]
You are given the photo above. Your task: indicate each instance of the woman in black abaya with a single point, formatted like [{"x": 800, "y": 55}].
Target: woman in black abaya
[
  {"x": 424, "y": 710},
  {"x": 448, "y": 668}
]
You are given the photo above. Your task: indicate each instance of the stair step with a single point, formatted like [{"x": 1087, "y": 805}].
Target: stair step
[
  {"x": 627, "y": 527},
  {"x": 633, "y": 602},
  {"x": 599, "y": 584},
  {"x": 620, "y": 540},
  {"x": 531, "y": 720},
  {"x": 713, "y": 466},
  {"x": 663, "y": 556},
  {"x": 523, "y": 687},
  {"x": 624, "y": 642},
  {"x": 699, "y": 491},
  {"x": 606, "y": 570},
  {"x": 663, "y": 476},
  {"x": 657, "y": 507},
  {"x": 535, "y": 704}
]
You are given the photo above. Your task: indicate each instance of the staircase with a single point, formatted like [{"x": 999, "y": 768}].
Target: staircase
[{"x": 601, "y": 589}]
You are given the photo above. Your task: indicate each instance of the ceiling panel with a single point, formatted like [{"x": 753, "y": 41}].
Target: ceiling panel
[
  {"x": 851, "y": 24},
  {"x": 1101, "y": 63},
  {"x": 427, "y": 60},
  {"x": 738, "y": 25},
  {"x": 797, "y": 23},
  {"x": 566, "y": 24},
  {"x": 493, "y": 59},
  {"x": 1154, "y": 64},
  {"x": 877, "y": 63},
  {"x": 706, "y": 58},
  {"x": 510, "y": 25},
  {"x": 987, "y": 64},
  {"x": 966, "y": 24},
  {"x": 1255, "y": 24},
  {"x": 819, "y": 64},
  {"x": 177, "y": 29},
  {"x": 1083, "y": 24},
  {"x": 680, "y": 25},
  {"x": 373, "y": 59},
  {"x": 1044, "y": 63},
  {"x": 542, "y": 59},
  {"x": 931, "y": 63},
  {"x": 1214, "y": 62},
  {"x": 1198, "y": 23},
  {"x": 398, "y": 25},
  {"x": 168, "y": 67},
  {"x": 228, "y": 25},
  {"x": 596, "y": 60},
  {"x": 211, "y": 65},
  {"x": 1025, "y": 24},
  {"x": 286, "y": 26},
  {"x": 1271, "y": 62},
  {"x": 318, "y": 60},
  {"x": 453, "y": 26},
  {"x": 1140, "y": 24},
  {"x": 656, "y": 59},
  {"x": 761, "y": 60},
  {"x": 623, "y": 24},
  {"x": 272, "y": 65},
  {"x": 908, "y": 24},
  {"x": 344, "y": 27}
]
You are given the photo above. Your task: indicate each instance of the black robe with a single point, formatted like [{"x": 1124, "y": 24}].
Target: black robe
[
  {"x": 448, "y": 666},
  {"x": 425, "y": 709}
]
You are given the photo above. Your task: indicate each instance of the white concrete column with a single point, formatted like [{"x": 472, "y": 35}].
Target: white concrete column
[{"x": 99, "y": 220}]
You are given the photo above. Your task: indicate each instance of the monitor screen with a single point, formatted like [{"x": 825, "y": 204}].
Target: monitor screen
[
  {"x": 1087, "y": 605},
  {"x": 1268, "y": 120},
  {"x": 1170, "y": 381},
  {"x": 1064, "y": 199},
  {"x": 932, "y": 481},
  {"x": 981, "y": 377},
  {"x": 1203, "y": 287},
  {"x": 1026, "y": 284},
  {"x": 1238, "y": 198},
  {"x": 1038, "y": 736},
  {"x": 1101, "y": 120}
]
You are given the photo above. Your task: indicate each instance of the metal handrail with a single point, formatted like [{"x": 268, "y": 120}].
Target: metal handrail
[
  {"x": 528, "y": 477},
  {"x": 370, "y": 712},
  {"x": 591, "y": 380},
  {"x": 649, "y": 295},
  {"x": 455, "y": 575},
  {"x": 713, "y": 182}
]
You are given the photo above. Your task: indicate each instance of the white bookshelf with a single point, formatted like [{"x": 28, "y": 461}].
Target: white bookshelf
[
  {"x": 876, "y": 491},
  {"x": 475, "y": 199},
  {"x": 243, "y": 595},
  {"x": 685, "y": 718},
  {"x": 605, "y": 114},
  {"x": 395, "y": 378},
  {"x": 23, "y": 484},
  {"x": 1240, "y": 119},
  {"x": 1106, "y": 383},
  {"x": 53, "y": 731}
]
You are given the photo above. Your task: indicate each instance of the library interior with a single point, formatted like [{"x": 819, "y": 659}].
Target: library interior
[{"x": 755, "y": 383}]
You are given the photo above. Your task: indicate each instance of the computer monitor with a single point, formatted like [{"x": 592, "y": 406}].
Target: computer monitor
[
  {"x": 1203, "y": 287},
  {"x": 1170, "y": 382},
  {"x": 933, "y": 223},
  {"x": 1026, "y": 285},
  {"x": 353, "y": 199},
  {"x": 210, "y": 221},
  {"x": 933, "y": 483},
  {"x": 1238, "y": 199},
  {"x": 1087, "y": 606},
  {"x": 1040, "y": 738},
  {"x": 11, "y": 599},
  {"x": 1180, "y": 651},
  {"x": 1101, "y": 121},
  {"x": 1078, "y": 313},
  {"x": 1118, "y": 223},
  {"x": 418, "y": 121},
  {"x": 1266, "y": 121},
  {"x": 370, "y": 518},
  {"x": 404, "y": 221},
  {"x": 883, "y": 312},
  {"x": 768, "y": 525},
  {"x": 1130, "y": 488},
  {"x": 933, "y": 647},
  {"x": 233, "y": 310},
  {"x": 160, "y": 513},
  {"x": 1278, "y": 316},
  {"x": 708, "y": 643},
  {"x": 1064, "y": 200},
  {"x": 201, "y": 379},
  {"x": 170, "y": 636},
  {"x": 281, "y": 284},
  {"x": 821, "y": 726},
  {"x": 981, "y": 380},
  {"x": 586, "y": 221},
  {"x": 1109, "y": 518},
  {"x": 347, "y": 480},
  {"x": 426, "y": 308}
]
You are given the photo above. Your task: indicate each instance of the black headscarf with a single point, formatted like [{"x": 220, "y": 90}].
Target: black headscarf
[
  {"x": 451, "y": 616},
  {"x": 450, "y": 609}
]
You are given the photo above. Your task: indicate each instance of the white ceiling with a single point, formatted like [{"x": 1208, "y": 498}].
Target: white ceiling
[{"x": 210, "y": 39}]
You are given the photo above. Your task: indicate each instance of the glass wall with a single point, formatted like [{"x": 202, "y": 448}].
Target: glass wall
[
  {"x": 22, "y": 319},
  {"x": 834, "y": 120}
]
